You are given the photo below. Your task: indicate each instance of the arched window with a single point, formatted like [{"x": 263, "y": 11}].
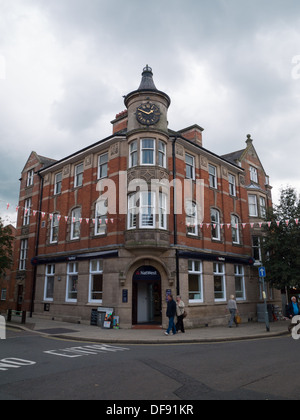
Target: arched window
[
  {"x": 191, "y": 218},
  {"x": 75, "y": 223},
  {"x": 100, "y": 217},
  {"x": 54, "y": 228},
  {"x": 235, "y": 229}
]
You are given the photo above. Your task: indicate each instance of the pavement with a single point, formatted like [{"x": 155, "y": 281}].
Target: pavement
[{"x": 88, "y": 333}]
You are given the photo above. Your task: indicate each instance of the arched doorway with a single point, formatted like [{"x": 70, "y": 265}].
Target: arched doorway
[{"x": 146, "y": 296}]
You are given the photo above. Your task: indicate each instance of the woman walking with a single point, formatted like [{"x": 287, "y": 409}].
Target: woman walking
[{"x": 180, "y": 314}]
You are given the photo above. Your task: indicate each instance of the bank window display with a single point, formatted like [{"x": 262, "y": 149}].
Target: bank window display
[
  {"x": 96, "y": 281},
  {"x": 195, "y": 282},
  {"x": 49, "y": 283},
  {"x": 219, "y": 282},
  {"x": 239, "y": 282},
  {"x": 72, "y": 282},
  {"x": 148, "y": 152}
]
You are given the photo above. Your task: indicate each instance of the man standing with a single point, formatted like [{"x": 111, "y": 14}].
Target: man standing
[
  {"x": 232, "y": 307},
  {"x": 171, "y": 312}
]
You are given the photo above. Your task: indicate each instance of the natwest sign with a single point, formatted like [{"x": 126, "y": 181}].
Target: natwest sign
[{"x": 146, "y": 273}]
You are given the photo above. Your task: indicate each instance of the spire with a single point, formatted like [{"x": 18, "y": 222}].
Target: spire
[{"x": 147, "y": 82}]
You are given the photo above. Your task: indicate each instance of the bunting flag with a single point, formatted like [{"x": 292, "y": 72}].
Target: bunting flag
[{"x": 209, "y": 225}]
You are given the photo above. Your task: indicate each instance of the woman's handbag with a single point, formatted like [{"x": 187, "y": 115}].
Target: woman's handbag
[
  {"x": 184, "y": 314},
  {"x": 238, "y": 319}
]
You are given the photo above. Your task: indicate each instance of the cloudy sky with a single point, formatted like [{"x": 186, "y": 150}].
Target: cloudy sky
[{"x": 231, "y": 66}]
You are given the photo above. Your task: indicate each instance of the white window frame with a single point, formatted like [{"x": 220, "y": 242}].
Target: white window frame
[
  {"x": 76, "y": 213},
  {"x": 49, "y": 275},
  {"x": 253, "y": 174},
  {"x": 253, "y": 206},
  {"x": 196, "y": 268},
  {"x": 58, "y": 184},
  {"x": 162, "y": 149},
  {"x": 213, "y": 176},
  {"x": 191, "y": 218},
  {"x": 132, "y": 212},
  {"x": 79, "y": 170},
  {"x": 54, "y": 225},
  {"x": 23, "y": 254},
  {"x": 262, "y": 207},
  {"x": 162, "y": 211},
  {"x": 219, "y": 271},
  {"x": 232, "y": 185},
  {"x": 216, "y": 222},
  {"x": 72, "y": 272},
  {"x": 30, "y": 175},
  {"x": 100, "y": 228},
  {"x": 145, "y": 206},
  {"x": 189, "y": 166},
  {"x": 239, "y": 274},
  {"x": 96, "y": 268},
  {"x": 27, "y": 212},
  {"x": 103, "y": 166},
  {"x": 235, "y": 230},
  {"x": 143, "y": 149},
  {"x": 133, "y": 154}
]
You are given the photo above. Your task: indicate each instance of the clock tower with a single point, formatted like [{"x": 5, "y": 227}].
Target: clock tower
[{"x": 147, "y": 107}]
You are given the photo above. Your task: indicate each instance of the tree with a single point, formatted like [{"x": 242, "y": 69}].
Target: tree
[
  {"x": 6, "y": 247},
  {"x": 282, "y": 242}
]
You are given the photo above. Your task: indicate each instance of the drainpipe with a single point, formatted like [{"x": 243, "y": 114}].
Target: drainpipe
[
  {"x": 37, "y": 246},
  {"x": 175, "y": 217}
]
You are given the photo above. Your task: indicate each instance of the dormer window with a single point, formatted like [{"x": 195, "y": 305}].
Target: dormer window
[{"x": 253, "y": 174}]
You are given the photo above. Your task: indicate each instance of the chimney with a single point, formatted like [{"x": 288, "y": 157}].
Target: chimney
[
  {"x": 193, "y": 133},
  {"x": 120, "y": 122}
]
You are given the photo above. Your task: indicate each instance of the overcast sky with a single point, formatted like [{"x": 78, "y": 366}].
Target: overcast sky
[{"x": 231, "y": 66}]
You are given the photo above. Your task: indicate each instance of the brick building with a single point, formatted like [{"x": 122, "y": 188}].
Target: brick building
[
  {"x": 91, "y": 232},
  {"x": 5, "y": 279}
]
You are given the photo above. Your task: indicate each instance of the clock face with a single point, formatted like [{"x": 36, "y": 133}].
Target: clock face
[{"x": 148, "y": 114}]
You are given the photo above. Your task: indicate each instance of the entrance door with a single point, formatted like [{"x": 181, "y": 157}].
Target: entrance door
[{"x": 147, "y": 303}]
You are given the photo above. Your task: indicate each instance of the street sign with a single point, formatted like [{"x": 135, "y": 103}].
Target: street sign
[{"x": 262, "y": 272}]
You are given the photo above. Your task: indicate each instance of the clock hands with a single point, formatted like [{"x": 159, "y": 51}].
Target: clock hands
[{"x": 145, "y": 112}]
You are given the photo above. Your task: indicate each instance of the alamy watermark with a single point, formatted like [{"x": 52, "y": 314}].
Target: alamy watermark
[
  {"x": 296, "y": 68},
  {"x": 2, "y": 328},
  {"x": 135, "y": 197},
  {"x": 296, "y": 328}
]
